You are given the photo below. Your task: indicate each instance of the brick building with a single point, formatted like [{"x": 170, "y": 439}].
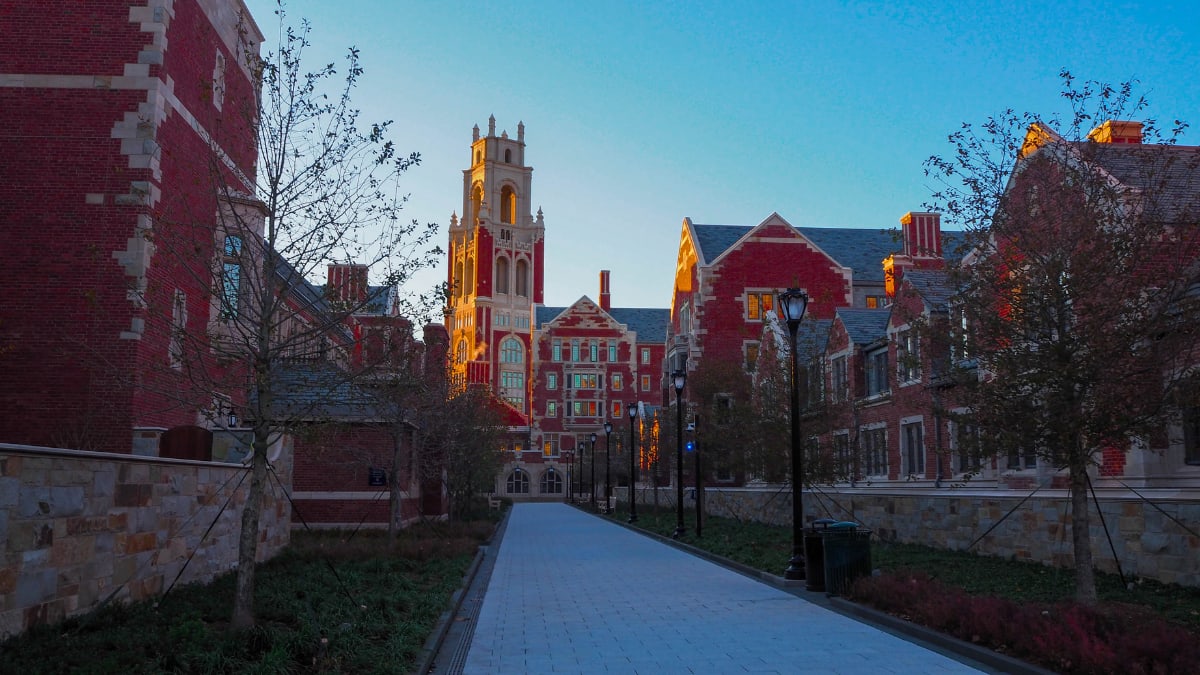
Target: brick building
[{"x": 109, "y": 116}]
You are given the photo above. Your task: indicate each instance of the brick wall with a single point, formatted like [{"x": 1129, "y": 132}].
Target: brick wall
[{"x": 78, "y": 527}]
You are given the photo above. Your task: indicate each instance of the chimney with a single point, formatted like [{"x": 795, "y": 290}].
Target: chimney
[
  {"x": 922, "y": 235},
  {"x": 922, "y": 238},
  {"x": 605, "y": 300},
  {"x": 1121, "y": 132},
  {"x": 347, "y": 283}
]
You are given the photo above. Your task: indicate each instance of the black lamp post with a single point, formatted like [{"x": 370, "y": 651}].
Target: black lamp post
[
  {"x": 679, "y": 379},
  {"x": 578, "y": 473},
  {"x": 607, "y": 465},
  {"x": 792, "y": 303},
  {"x": 592, "y": 478},
  {"x": 633, "y": 453}
]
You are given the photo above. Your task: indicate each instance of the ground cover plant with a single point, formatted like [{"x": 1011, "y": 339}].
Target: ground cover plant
[
  {"x": 1024, "y": 609},
  {"x": 332, "y": 602}
]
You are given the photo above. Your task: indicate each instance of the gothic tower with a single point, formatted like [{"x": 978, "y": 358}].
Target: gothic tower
[{"x": 495, "y": 268}]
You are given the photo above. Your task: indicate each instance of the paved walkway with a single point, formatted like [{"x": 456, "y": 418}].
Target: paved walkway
[{"x": 574, "y": 593}]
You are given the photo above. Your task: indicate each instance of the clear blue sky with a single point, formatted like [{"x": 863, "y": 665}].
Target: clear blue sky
[{"x": 639, "y": 114}]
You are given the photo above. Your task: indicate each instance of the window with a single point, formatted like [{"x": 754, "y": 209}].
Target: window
[
  {"x": 843, "y": 466},
  {"x": 522, "y": 278},
  {"x": 461, "y": 351},
  {"x": 959, "y": 336},
  {"x": 552, "y": 380},
  {"x": 508, "y": 205},
  {"x": 967, "y": 448},
  {"x": 908, "y": 356},
  {"x": 757, "y": 304},
  {"x": 594, "y": 350},
  {"x": 575, "y": 350},
  {"x": 645, "y": 355},
  {"x": 913, "y": 451},
  {"x": 178, "y": 330},
  {"x": 612, "y": 353},
  {"x": 816, "y": 382},
  {"x": 585, "y": 381},
  {"x": 552, "y": 482},
  {"x": 218, "y": 81},
  {"x": 511, "y": 351},
  {"x": 877, "y": 375},
  {"x": 616, "y": 409},
  {"x": 585, "y": 408},
  {"x": 507, "y": 156},
  {"x": 876, "y": 301},
  {"x": 550, "y": 445},
  {"x": 841, "y": 379},
  {"x": 551, "y": 408},
  {"x": 1022, "y": 458},
  {"x": 616, "y": 381},
  {"x": 518, "y": 482},
  {"x": 512, "y": 387},
  {"x": 645, "y": 383},
  {"x": 874, "y": 444},
  {"x": 502, "y": 275},
  {"x": 557, "y": 351},
  {"x": 751, "y": 349},
  {"x": 231, "y": 277}
]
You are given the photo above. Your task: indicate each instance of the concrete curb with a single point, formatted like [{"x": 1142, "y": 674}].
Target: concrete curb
[{"x": 433, "y": 644}]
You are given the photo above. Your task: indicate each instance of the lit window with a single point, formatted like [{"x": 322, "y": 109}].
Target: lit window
[
  {"x": 616, "y": 382},
  {"x": 550, "y": 445},
  {"x": 757, "y": 304},
  {"x": 616, "y": 409},
  {"x": 551, "y": 408},
  {"x": 508, "y": 205},
  {"x": 645, "y": 383}
]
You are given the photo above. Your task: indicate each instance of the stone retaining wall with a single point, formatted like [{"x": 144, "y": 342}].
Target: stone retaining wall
[
  {"x": 1149, "y": 535},
  {"x": 79, "y": 527}
]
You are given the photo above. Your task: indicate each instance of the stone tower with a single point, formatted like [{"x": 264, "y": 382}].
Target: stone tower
[{"x": 495, "y": 268}]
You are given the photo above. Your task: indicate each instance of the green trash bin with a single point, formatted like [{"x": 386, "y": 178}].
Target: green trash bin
[{"x": 847, "y": 548}]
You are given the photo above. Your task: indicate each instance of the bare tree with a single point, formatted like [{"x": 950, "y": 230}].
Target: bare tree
[
  {"x": 1078, "y": 288},
  {"x": 276, "y": 347}
]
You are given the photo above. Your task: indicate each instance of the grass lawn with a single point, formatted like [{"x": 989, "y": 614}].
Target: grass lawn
[
  {"x": 769, "y": 548},
  {"x": 330, "y": 603}
]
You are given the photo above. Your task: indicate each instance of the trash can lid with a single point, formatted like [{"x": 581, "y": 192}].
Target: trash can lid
[
  {"x": 844, "y": 525},
  {"x": 823, "y": 522}
]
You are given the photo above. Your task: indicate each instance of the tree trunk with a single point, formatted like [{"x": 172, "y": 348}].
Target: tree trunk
[
  {"x": 1085, "y": 575},
  {"x": 394, "y": 487},
  {"x": 243, "y": 599}
]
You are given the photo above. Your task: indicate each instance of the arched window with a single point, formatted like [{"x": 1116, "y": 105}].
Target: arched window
[
  {"x": 518, "y": 482},
  {"x": 511, "y": 351},
  {"x": 458, "y": 280},
  {"x": 469, "y": 278},
  {"x": 508, "y": 205},
  {"x": 508, "y": 156},
  {"x": 476, "y": 204},
  {"x": 502, "y": 275},
  {"x": 461, "y": 351},
  {"x": 552, "y": 482},
  {"x": 522, "y": 280}
]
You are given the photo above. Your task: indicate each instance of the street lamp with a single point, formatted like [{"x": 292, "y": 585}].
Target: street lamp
[
  {"x": 679, "y": 378},
  {"x": 633, "y": 453},
  {"x": 792, "y": 303},
  {"x": 607, "y": 466},
  {"x": 592, "y": 479}
]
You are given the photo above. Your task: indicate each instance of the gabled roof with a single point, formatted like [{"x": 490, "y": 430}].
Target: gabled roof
[
  {"x": 650, "y": 324},
  {"x": 933, "y": 286},
  {"x": 1170, "y": 173},
  {"x": 864, "y": 326},
  {"x": 861, "y": 249}
]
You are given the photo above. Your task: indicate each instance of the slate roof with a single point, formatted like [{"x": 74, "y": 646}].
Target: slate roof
[
  {"x": 932, "y": 285},
  {"x": 861, "y": 249},
  {"x": 649, "y": 323},
  {"x": 864, "y": 326},
  {"x": 1171, "y": 173},
  {"x": 321, "y": 392}
]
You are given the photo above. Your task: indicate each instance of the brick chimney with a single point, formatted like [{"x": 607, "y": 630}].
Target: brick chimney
[
  {"x": 347, "y": 283},
  {"x": 1117, "y": 132},
  {"x": 605, "y": 299},
  {"x": 922, "y": 239}
]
